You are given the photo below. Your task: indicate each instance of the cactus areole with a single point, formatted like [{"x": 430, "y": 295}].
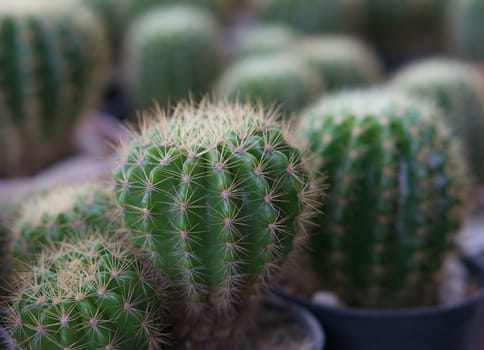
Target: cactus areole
[{"x": 218, "y": 197}]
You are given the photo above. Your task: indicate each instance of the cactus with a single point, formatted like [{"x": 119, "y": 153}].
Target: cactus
[
  {"x": 93, "y": 294},
  {"x": 219, "y": 199},
  {"x": 265, "y": 39},
  {"x": 52, "y": 58},
  {"x": 458, "y": 89},
  {"x": 171, "y": 52},
  {"x": 313, "y": 15},
  {"x": 62, "y": 212},
  {"x": 467, "y": 28},
  {"x": 283, "y": 80},
  {"x": 343, "y": 62},
  {"x": 396, "y": 197}
]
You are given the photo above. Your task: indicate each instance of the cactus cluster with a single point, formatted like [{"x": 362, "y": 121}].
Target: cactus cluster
[
  {"x": 93, "y": 294},
  {"x": 281, "y": 80},
  {"x": 219, "y": 198},
  {"x": 59, "y": 214},
  {"x": 343, "y": 62},
  {"x": 171, "y": 53},
  {"x": 395, "y": 201},
  {"x": 458, "y": 89},
  {"x": 51, "y": 68}
]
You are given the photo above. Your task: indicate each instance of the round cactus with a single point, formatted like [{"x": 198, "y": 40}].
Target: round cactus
[
  {"x": 58, "y": 214},
  {"x": 458, "y": 89},
  {"x": 467, "y": 28},
  {"x": 171, "y": 53},
  {"x": 313, "y": 15},
  {"x": 52, "y": 59},
  {"x": 280, "y": 80},
  {"x": 343, "y": 62},
  {"x": 89, "y": 295},
  {"x": 219, "y": 199},
  {"x": 395, "y": 199}
]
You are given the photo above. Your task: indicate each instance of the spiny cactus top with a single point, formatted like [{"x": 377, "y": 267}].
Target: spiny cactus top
[
  {"x": 467, "y": 28},
  {"x": 396, "y": 192},
  {"x": 343, "y": 62},
  {"x": 171, "y": 53},
  {"x": 90, "y": 295},
  {"x": 61, "y": 213},
  {"x": 220, "y": 198},
  {"x": 457, "y": 88},
  {"x": 52, "y": 59},
  {"x": 281, "y": 80},
  {"x": 313, "y": 15}
]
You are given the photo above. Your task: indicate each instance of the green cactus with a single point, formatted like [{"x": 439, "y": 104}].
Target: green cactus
[
  {"x": 170, "y": 53},
  {"x": 62, "y": 212},
  {"x": 283, "y": 80},
  {"x": 313, "y": 15},
  {"x": 343, "y": 62},
  {"x": 219, "y": 199},
  {"x": 467, "y": 28},
  {"x": 396, "y": 193},
  {"x": 93, "y": 294},
  {"x": 458, "y": 89},
  {"x": 265, "y": 39},
  {"x": 52, "y": 58}
]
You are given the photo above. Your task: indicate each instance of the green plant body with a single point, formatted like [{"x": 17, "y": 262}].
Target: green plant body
[
  {"x": 466, "y": 28},
  {"x": 396, "y": 197},
  {"x": 218, "y": 198},
  {"x": 52, "y": 60},
  {"x": 282, "y": 80},
  {"x": 93, "y": 294},
  {"x": 458, "y": 89},
  {"x": 172, "y": 53}
]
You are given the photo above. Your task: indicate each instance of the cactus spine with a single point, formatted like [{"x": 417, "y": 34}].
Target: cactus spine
[
  {"x": 51, "y": 67},
  {"x": 395, "y": 200},
  {"x": 458, "y": 89},
  {"x": 90, "y": 295},
  {"x": 219, "y": 198},
  {"x": 171, "y": 52}
]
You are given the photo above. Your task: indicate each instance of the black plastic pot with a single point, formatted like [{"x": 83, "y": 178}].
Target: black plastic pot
[{"x": 454, "y": 327}]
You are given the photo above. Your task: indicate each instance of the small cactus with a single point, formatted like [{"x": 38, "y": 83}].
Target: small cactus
[
  {"x": 397, "y": 184},
  {"x": 52, "y": 59},
  {"x": 171, "y": 53},
  {"x": 219, "y": 198},
  {"x": 93, "y": 294},
  {"x": 281, "y": 80},
  {"x": 61, "y": 213},
  {"x": 343, "y": 62},
  {"x": 458, "y": 89}
]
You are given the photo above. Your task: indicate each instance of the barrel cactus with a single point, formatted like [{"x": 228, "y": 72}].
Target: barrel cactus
[
  {"x": 171, "y": 53},
  {"x": 343, "y": 62},
  {"x": 52, "y": 59},
  {"x": 458, "y": 89},
  {"x": 396, "y": 197},
  {"x": 281, "y": 80},
  {"x": 219, "y": 199},
  {"x": 313, "y": 15},
  {"x": 58, "y": 214},
  {"x": 93, "y": 294}
]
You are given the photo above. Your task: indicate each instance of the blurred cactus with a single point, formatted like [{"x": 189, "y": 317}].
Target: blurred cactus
[
  {"x": 458, "y": 89},
  {"x": 170, "y": 53},
  {"x": 280, "y": 80},
  {"x": 61, "y": 213},
  {"x": 219, "y": 198},
  {"x": 395, "y": 200},
  {"x": 333, "y": 16},
  {"x": 343, "y": 62},
  {"x": 467, "y": 28},
  {"x": 52, "y": 58},
  {"x": 89, "y": 295}
]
